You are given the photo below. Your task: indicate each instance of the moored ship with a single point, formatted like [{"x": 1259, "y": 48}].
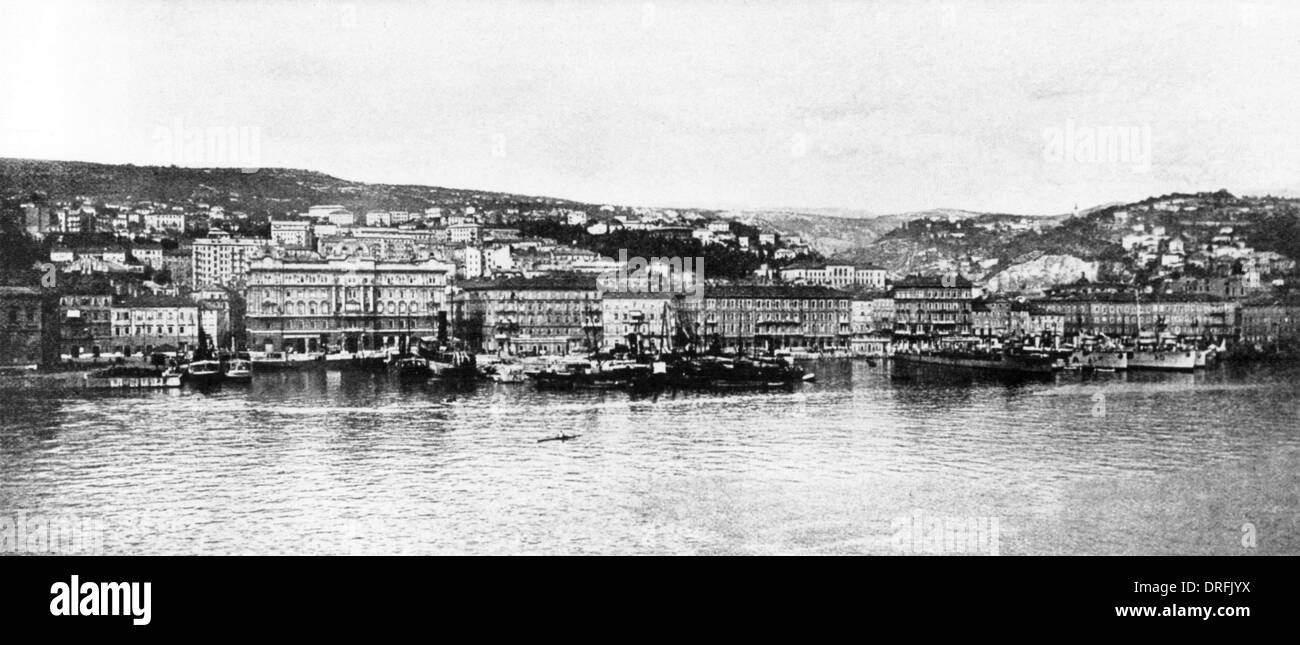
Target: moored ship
[
  {"x": 739, "y": 372},
  {"x": 239, "y": 370},
  {"x": 996, "y": 360},
  {"x": 1162, "y": 353},
  {"x": 129, "y": 377},
  {"x": 407, "y": 366},
  {"x": 203, "y": 372},
  {"x": 1099, "y": 355}
]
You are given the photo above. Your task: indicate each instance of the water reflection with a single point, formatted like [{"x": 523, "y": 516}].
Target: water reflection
[{"x": 342, "y": 462}]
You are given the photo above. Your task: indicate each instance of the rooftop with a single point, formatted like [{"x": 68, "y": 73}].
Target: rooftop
[
  {"x": 555, "y": 281},
  {"x": 934, "y": 281},
  {"x": 781, "y": 291}
]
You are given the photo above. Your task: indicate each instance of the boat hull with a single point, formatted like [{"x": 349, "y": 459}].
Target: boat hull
[
  {"x": 1105, "y": 360},
  {"x": 133, "y": 382},
  {"x": 1003, "y": 364},
  {"x": 1183, "y": 360}
]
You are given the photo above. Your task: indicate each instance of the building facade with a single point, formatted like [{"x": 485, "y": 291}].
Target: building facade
[
  {"x": 352, "y": 304},
  {"x": 548, "y": 314},
  {"x": 933, "y": 305},
  {"x": 151, "y": 324},
  {"x": 292, "y": 233},
  {"x": 641, "y": 322},
  {"x": 770, "y": 317},
  {"x": 1126, "y": 315},
  {"x": 223, "y": 261},
  {"x": 22, "y": 326},
  {"x": 839, "y": 276},
  {"x": 1269, "y": 321}
]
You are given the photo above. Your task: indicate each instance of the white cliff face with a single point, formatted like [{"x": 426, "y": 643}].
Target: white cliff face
[{"x": 1041, "y": 273}]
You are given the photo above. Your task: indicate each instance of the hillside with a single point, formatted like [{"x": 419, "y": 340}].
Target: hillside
[{"x": 266, "y": 191}]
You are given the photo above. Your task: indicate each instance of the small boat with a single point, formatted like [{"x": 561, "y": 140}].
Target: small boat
[
  {"x": 447, "y": 363},
  {"x": 562, "y": 437},
  {"x": 203, "y": 372},
  {"x": 409, "y": 367},
  {"x": 239, "y": 370},
  {"x": 506, "y": 373}
]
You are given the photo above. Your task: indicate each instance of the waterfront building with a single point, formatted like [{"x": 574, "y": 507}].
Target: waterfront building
[
  {"x": 22, "y": 326},
  {"x": 223, "y": 260},
  {"x": 149, "y": 324},
  {"x": 84, "y": 317},
  {"x": 1271, "y": 320},
  {"x": 933, "y": 305},
  {"x": 770, "y": 317},
  {"x": 352, "y": 304},
  {"x": 1127, "y": 314},
  {"x": 641, "y": 321},
  {"x": 547, "y": 314}
]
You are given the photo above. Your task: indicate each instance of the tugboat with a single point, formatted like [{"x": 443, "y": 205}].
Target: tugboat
[{"x": 447, "y": 363}]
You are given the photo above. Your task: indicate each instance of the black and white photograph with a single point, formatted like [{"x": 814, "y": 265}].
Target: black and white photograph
[{"x": 649, "y": 278}]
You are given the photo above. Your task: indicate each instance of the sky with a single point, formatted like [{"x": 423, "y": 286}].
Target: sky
[{"x": 1018, "y": 107}]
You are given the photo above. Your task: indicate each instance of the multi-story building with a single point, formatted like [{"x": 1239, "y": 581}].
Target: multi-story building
[
  {"x": 769, "y": 317},
  {"x": 149, "y": 324},
  {"x": 1126, "y": 315},
  {"x": 85, "y": 318},
  {"x": 292, "y": 233},
  {"x": 839, "y": 276},
  {"x": 465, "y": 233},
  {"x": 149, "y": 254},
  {"x": 347, "y": 303},
  {"x": 165, "y": 221},
  {"x": 933, "y": 305},
  {"x": 547, "y": 314},
  {"x": 640, "y": 321},
  {"x": 392, "y": 247},
  {"x": 1271, "y": 320},
  {"x": 179, "y": 263},
  {"x": 223, "y": 260},
  {"x": 22, "y": 320}
]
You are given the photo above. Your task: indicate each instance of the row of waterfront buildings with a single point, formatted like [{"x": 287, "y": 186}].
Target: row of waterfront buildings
[{"x": 351, "y": 304}]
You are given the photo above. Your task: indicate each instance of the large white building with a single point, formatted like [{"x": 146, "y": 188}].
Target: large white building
[
  {"x": 350, "y": 304},
  {"x": 835, "y": 275},
  {"x": 223, "y": 260}
]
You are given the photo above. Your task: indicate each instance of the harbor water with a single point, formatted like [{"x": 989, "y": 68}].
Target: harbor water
[{"x": 859, "y": 462}]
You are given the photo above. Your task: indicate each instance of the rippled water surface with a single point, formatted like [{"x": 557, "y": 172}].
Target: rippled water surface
[{"x": 354, "y": 462}]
